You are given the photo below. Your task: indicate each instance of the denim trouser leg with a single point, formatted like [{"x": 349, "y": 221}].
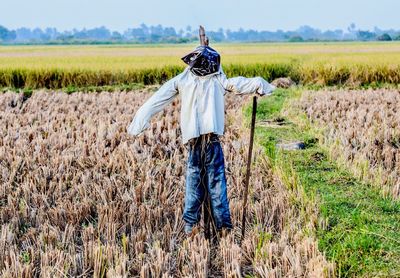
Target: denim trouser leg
[
  {"x": 216, "y": 183},
  {"x": 195, "y": 189},
  {"x": 206, "y": 169}
]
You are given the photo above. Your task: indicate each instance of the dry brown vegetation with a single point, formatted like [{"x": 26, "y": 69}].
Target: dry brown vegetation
[
  {"x": 362, "y": 128},
  {"x": 79, "y": 197}
]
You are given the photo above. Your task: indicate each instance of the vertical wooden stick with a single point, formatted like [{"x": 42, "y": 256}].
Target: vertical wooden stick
[
  {"x": 208, "y": 219},
  {"x": 202, "y": 36},
  {"x": 246, "y": 186}
]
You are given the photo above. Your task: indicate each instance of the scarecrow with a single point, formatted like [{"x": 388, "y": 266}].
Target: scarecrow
[{"x": 201, "y": 87}]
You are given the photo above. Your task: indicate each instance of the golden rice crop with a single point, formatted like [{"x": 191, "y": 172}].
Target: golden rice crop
[
  {"x": 309, "y": 63},
  {"x": 79, "y": 197},
  {"x": 362, "y": 128}
]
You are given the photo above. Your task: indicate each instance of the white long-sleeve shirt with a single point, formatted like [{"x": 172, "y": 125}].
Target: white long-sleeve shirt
[{"x": 202, "y": 101}]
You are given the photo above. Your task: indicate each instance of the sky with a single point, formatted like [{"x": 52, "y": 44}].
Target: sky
[{"x": 269, "y": 15}]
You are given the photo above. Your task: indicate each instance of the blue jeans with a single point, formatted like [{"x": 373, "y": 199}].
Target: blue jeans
[{"x": 206, "y": 171}]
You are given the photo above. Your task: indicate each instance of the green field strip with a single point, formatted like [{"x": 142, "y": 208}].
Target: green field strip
[{"x": 358, "y": 228}]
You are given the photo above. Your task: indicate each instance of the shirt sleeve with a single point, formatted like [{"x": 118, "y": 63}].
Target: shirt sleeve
[
  {"x": 242, "y": 85},
  {"x": 156, "y": 103}
]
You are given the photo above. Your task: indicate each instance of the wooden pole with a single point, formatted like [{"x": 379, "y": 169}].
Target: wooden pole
[
  {"x": 208, "y": 218},
  {"x": 246, "y": 186},
  {"x": 202, "y": 36}
]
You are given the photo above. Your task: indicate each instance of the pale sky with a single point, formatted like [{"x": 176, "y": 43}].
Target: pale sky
[{"x": 250, "y": 14}]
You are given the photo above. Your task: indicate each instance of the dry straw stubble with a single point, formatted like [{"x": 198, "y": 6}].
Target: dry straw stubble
[
  {"x": 79, "y": 197},
  {"x": 362, "y": 130}
]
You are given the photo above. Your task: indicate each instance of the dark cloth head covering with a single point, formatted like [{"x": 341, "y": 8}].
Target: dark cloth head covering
[{"x": 203, "y": 61}]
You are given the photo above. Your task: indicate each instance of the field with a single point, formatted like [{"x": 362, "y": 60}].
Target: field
[
  {"x": 344, "y": 136},
  {"x": 79, "y": 197},
  {"x": 54, "y": 67},
  {"x": 362, "y": 130}
]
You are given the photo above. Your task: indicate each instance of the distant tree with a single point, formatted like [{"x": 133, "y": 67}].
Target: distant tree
[
  {"x": 332, "y": 35},
  {"x": 188, "y": 31},
  {"x": 351, "y": 28},
  {"x": 352, "y": 32},
  {"x": 51, "y": 33},
  {"x": 296, "y": 39},
  {"x": 216, "y": 36},
  {"x": 278, "y": 35},
  {"x": 157, "y": 30},
  {"x": 39, "y": 35},
  {"x": 7, "y": 35},
  {"x": 65, "y": 36},
  {"x": 23, "y": 34},
  {"x": 80, "y": 35},
  {"x": 137, "y": 34},
  {"x": 99, "y": 33},
  {"x": 116, "y": 36},
  {"x": 145, "y": 29},
  {"x": 160, "y": 34},
  {"x": 384, "y": 37},
  {"x": 253, "y": 36},
  {"x": 377, "y": 30},
  {"x": 169, "y": 32},
  {"x": 365, "y": 35},
  {"x": 307, "y": 32},
  {"x": 239, "y": 35}
]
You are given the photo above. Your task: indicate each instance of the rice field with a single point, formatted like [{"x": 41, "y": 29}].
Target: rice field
[
  {"x": 81, "y": 198},
  {"x": 361, "y": 128},
  {"x": 54, "y": 67},
  {"x": 359, "y": 214}
]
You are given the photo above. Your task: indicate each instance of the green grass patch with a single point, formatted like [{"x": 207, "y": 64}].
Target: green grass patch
[{"x": 358, "y": 229}]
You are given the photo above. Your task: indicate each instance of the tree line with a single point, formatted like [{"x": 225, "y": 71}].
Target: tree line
[{"x": 160, "y": 34}]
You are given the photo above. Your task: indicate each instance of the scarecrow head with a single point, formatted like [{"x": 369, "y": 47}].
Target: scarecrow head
[{"x": 203, "y": 60}]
